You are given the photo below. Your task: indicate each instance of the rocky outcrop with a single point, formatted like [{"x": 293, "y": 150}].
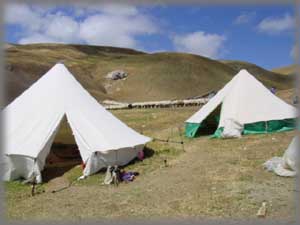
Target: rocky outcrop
[{"x": 116, "y": 75}]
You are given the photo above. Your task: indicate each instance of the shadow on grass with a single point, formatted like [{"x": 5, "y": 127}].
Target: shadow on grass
[
  {"x": 61, "y": 159},
  {"x": 52, "y": 172},
  {"x": 148, "y": 153}
]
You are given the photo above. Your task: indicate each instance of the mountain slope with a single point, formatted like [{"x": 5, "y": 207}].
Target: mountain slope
[
  {"x": 269, "y": 78},
  {"x": 286, "y": 70},
  {"x": 157, "y": 76}
]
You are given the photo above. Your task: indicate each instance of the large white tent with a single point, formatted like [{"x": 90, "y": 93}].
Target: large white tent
[
  {"x": 246, "y": 106},
  {"x": 32, "y": 120}
]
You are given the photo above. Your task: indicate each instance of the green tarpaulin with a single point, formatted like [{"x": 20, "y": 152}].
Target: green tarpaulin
[
  {"x": 254, "y": 128},
  {"x": 191, "y": 129}
]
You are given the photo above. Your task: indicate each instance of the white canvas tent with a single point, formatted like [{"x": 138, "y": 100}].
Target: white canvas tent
[
  {"x": 247, "y": 106},
  {"x": 288, "y": 164},
  {"x": 32, "y": 120}
]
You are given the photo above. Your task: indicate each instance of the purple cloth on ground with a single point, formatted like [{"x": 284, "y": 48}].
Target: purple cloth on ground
[{"x": 128, "y": 176}]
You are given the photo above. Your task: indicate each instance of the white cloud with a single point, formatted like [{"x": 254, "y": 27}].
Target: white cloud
[
  {"x": 103, "y": 24},
  {"x": 245, "y": 17},
  {"x": 201, "y": 43},
  {"x": 23, "y": 15},
  {"x": 275, "y": 25},
  {"x": 37, "y": 38},
  {"x": 119, "y": 9},
  {"x": 115, "y": 30},
  {"x": 63, "y": 28}
]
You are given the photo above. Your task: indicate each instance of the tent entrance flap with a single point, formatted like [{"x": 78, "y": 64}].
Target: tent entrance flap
[
  {"x": 191, "y": 129},
  {"x": 206, "y": 127}
]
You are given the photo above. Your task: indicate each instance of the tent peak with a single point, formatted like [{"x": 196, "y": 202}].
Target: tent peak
[
  {"x": 61, "y": 62},
  {"x": 244, "y": 71}
]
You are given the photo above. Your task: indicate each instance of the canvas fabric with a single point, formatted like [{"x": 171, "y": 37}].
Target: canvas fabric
[
  {"x": 32, "y": 120},
  {"x": 288, "y": 164},
  {"x": 245, "y": 101}
]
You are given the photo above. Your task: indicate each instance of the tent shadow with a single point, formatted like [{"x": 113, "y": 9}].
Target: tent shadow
[
  {"x": 148, "y": 153},
  {"x": 61, "y": 159},
  {"x": 50, "y": 173}
]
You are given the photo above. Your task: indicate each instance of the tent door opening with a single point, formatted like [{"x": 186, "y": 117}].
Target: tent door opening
[
  {"x": 210, "y": 124},
  {"x": 64, "y": 153}
]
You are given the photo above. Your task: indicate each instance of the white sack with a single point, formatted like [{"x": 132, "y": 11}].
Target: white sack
[
  {"x": 288, "y": 165},
  {"x": 232, "y": 129}
]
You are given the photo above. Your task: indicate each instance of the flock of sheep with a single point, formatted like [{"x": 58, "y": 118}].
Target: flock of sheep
[{"x": 111, "y": 105}]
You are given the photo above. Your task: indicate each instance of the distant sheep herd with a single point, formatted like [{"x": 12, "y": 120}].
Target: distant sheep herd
[{"x": 113, "y": 105}]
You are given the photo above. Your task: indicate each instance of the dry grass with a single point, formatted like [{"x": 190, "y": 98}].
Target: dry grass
[
  {"x": 287, "y": 95},
  {"x": 212, "y": 179},
  {"x": 286, "y": 70}
]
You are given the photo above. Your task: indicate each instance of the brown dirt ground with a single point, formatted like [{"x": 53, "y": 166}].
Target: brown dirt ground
[{"x": 212, "y": 179}]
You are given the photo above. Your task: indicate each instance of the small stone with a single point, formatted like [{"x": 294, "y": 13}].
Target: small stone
[
  {"x": 262, "y": 212},
  {"x": 116, "y": 75}
]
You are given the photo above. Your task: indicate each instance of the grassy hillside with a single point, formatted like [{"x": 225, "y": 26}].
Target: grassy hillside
[
  {"x": 286, "y": 70},
  {"x": 157, "y": 76},
  {"x": 269, "y": 78},
  {"x": 287, "y": 95}
]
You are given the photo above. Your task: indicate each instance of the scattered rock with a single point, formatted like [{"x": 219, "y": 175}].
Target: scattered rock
[
  {"x": 262, "y": 212},
  {"x": 116, "y": 75}
]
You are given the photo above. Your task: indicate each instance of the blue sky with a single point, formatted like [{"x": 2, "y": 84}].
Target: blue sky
[{"x": 260, "y": 34}]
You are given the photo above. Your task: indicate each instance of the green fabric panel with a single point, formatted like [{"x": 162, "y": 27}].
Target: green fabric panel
[
  {"x": 255, "y": 128},
  {"x": 270, "y": 126},
  {"x": 191, "y": 129},
  {"x": 277, "y": 125},
  {"x": 218, "y": 133},
  {"x": 264, "y": 127}
]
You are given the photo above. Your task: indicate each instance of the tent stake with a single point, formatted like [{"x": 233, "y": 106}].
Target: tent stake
[
  {"x": 33, "y": 187},
  {"x": 181, "y": 138}
]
